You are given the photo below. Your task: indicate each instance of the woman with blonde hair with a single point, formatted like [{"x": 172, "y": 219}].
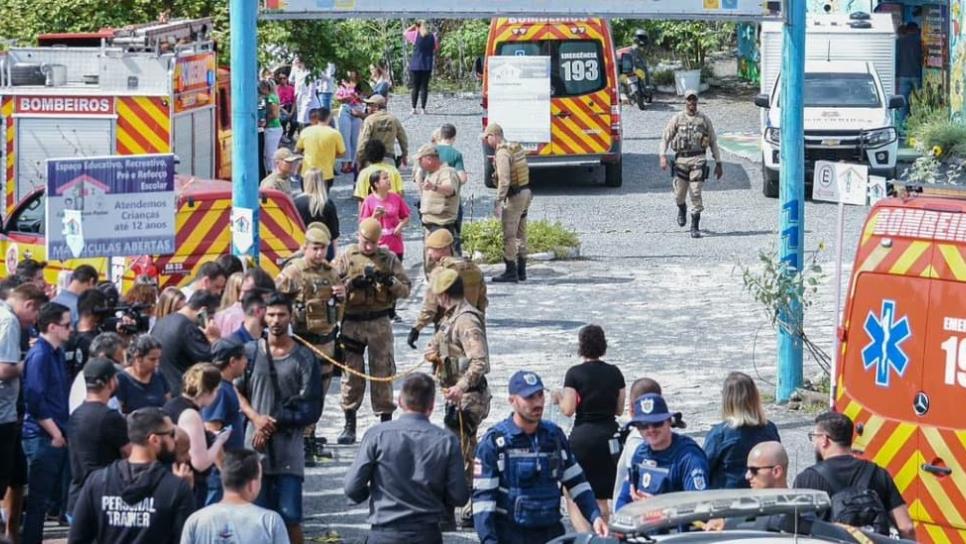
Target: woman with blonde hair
[
  {"x": 313, "y": 205},
  {"x": 743, "y": 426},
  {"x": 171, "y": 300},
  {"x": 232, "y": 290},
  {"x": 199, "y": 386}
]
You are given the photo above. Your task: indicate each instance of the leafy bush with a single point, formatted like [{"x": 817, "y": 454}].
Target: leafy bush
[
  {"x": 926, "y": 107},
  {"x": 665, "y": 78},
  {"x": 486, "y": 237},
  {"x": 692, "y": 41}
]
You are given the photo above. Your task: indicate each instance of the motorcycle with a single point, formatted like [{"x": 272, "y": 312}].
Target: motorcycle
[{"x": 635, "y": 82}]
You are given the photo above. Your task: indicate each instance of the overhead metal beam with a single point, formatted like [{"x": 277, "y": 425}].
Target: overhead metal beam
[{"x": 729, "y": 10}]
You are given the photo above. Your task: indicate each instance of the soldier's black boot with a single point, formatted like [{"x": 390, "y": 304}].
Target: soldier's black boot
[
  {"x": 682, "y": 215},
  {"x": 522, "y": 268},
  {"x": 348, "y": 435},
  {"x": 508, "y": 276},
  {"x": 385, "y": 417},
  {"x": 695, "y": 225}
]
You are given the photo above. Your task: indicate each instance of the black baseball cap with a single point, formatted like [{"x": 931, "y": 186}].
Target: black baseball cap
[
  {"x": 223, "y": 350},
  {"x": 99, "y": 370}
]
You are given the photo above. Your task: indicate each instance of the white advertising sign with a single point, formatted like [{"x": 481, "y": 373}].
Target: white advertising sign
[{"x": 519, "y": 98}]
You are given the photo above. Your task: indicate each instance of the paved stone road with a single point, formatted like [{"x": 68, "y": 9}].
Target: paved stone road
[{"x": 672, "y": 307}]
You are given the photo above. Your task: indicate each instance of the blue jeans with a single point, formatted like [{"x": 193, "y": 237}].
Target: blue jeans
[
  {"x": 45, "y": 464},
  {"x": 282, "y": 493},
  {"x": 326, "y": 100},
  {"x": 215, "y": 491},
  {"x": 906, "y": 86}
]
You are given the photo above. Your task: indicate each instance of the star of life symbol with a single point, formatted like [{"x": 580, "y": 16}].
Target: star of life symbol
[{"x": 885, "y": 352}]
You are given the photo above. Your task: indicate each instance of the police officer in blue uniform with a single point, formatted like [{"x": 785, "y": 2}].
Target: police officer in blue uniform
[
  {"x": 519, "y": 466},
  {"x": 665, "y": 462}
]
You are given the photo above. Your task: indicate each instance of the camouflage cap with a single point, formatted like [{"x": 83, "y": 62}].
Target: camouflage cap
[
  {"x": 318, "y": 233},
  {"x": 376, "y": 99},
  {"x": 493, "y": 128},
  {"x": 689, "y": 93},
  {"x": 370, "y": 229},
  {"x": 428, "y": 150},
  {"x": 443, "y": 280},
  {"x": 439, "y": 239}
]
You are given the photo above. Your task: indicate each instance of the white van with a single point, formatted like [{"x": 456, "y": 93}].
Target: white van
[{"x": 849, "y": 81}]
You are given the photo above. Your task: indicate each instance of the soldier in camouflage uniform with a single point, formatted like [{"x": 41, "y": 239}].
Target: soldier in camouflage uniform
[
  {"x": 385, "y": 127},
  {"x": 440, "y": 256},
  {"x": 317, "y": 293},
  {"x": 689, "y": 134},
  {"x": 513, "y": 199},
  {"x": 460, "y": 356},
  {"x": 374, "y": 278}
]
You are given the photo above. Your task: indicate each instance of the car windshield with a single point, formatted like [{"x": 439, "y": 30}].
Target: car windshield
[
  {"x": 823, "y": 90},
  {"x": 577, "y": 66}
]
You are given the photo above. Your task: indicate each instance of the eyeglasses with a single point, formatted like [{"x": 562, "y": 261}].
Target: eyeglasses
[
  {"x": 65, "y": 325},
  {"x": 754, "y": 470},
  {"x": 812, "y": 436},
  {"x": 170, "y": 433},
  {"x": 657, "y": 425}
]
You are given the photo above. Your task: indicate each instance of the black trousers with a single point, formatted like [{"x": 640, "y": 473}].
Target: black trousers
[
  {"x": 420, "y": 84},
  {"x": 386, "y": 535}
]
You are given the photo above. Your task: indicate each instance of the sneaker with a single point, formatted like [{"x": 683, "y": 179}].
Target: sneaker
[
  {"x": 423, "y": 111},
  {"x": 413, "y": 112}
]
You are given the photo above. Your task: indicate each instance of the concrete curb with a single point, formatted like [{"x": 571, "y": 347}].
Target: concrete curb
[{"x": 545, "y": 256}]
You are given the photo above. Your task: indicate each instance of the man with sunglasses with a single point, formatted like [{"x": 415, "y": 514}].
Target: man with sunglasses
[
  {"x": 138, "y": 499},
  {"x": 767, "y": 466},
  {"x": 690, "y": 134},
  {"x": 666, "y": 461}
]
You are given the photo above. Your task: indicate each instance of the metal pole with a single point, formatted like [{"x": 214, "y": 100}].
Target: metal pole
[
  {"x": 792, "y": 192},
  {"x": 839, "y": 235},
  {"x": 244, "y": 142}
]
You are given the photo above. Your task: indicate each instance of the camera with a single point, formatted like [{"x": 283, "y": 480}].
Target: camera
[{"x": 137, "y": 321}]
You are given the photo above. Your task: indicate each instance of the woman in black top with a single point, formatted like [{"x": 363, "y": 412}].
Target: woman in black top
[
  {"x": 313, "y": 205},
  {"x": 594, "y": 391}
]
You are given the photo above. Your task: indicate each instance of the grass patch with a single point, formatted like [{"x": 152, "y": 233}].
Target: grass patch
[{"x": 486, "y": 237}]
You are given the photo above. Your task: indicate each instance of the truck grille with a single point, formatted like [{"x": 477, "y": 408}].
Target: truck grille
[{"x": 832, "y": 154}]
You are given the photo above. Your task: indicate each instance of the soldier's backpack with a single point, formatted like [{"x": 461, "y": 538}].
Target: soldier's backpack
[{"x": 856, "y": 505}]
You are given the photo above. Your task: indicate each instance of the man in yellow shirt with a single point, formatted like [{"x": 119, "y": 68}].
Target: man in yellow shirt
[
  {"x": 374, "y": 155},
  {"x": 320, "y": 144}
]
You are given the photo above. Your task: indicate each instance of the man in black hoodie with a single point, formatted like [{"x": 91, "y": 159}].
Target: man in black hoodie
[{"x": 137, "y": 500}]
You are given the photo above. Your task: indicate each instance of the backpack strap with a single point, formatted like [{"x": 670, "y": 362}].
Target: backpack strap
[{"x": 830, "y": 477}]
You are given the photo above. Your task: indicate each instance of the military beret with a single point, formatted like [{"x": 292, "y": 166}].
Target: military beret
[
  {"x": 439, "y": 239},
  {"x": 443, "y": 280},
  {"x": 370, "y": 229},
  {"x": 493, "y": 128},
  {"x": 318, "y": 233}
]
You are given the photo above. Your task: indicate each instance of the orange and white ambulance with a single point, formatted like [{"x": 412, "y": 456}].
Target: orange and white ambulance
[
  {"x": 585, "y": 107},
  {"x": 902, "y": 376}
]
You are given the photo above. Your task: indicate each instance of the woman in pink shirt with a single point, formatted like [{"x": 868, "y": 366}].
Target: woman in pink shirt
[{"x": 389, "y": 208}]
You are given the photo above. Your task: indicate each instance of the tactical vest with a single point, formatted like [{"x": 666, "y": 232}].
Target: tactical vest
[
  {"x": 472, "y": 278},
  {"x": 532, "y": 480},
  {"x": 436, "y": 208},
  {"x": 455, "y": 361},
  {"x": 692, "y": 134},
  {"x": 373, "y": 297},
  {"x": 317, "y": 311},
  {"x": 519, "y": 169}
]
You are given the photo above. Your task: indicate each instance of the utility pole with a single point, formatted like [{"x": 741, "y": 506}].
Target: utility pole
[
  {"x": 791, "y": 192},
  {"x": 244, "y": 140}
]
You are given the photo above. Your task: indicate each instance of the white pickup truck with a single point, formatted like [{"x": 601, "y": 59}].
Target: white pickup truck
[{"x": 848, "y": 117}]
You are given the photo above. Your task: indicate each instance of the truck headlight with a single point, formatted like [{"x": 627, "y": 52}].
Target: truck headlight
[
  {"x": 879, "y": 137},
  {"x": 773, "y": 135}
]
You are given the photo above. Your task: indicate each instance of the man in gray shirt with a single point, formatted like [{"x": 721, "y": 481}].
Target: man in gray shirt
[
  {"x": 235, "y": 520},
  {"x": 281, "y": 374},
  {"x": 410, "y": 470}
]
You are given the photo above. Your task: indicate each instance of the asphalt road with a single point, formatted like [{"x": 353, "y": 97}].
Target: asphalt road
[{"x": 673, "y": 308}]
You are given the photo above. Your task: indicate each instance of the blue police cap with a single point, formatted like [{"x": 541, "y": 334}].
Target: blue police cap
[
  {"x": 650, "y": 408},
  {"x": 525, "y": 384}
]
